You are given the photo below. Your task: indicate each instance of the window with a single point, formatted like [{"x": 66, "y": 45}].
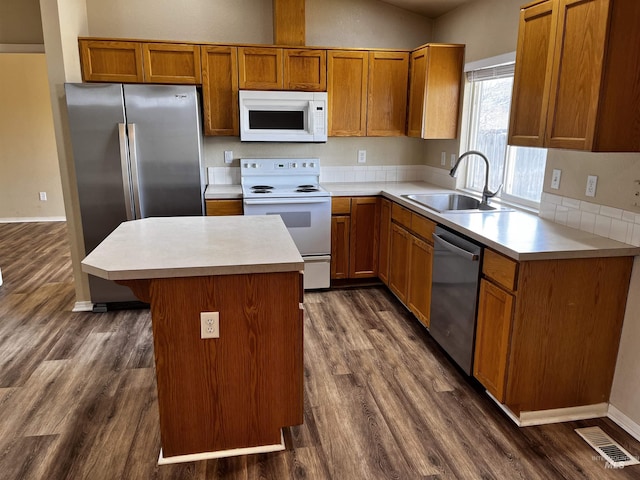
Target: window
[{"x": 520, "y": 170}]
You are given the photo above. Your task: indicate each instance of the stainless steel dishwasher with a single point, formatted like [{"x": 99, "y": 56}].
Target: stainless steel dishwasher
[{"x": 454, "y": 295}]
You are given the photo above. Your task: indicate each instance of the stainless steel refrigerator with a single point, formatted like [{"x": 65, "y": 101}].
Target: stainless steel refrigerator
[{"x": 137, "y": 151}]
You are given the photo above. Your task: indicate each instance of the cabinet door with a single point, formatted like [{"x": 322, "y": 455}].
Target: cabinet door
[
  {"x": 399, "y": 262},
  {"x": 577, "y": 73},
  {"x": 534, "y": 58},
  {"x": 347, "y": 92},
  {"x": 340, "y": 246},
  {"x": 171, "y": 63},
  {"x": 365, "y": 226},
  {"x": 305, "y": 70},
  {"x": 108, "y": 61},
  {"x": 260, "y": 68},
  {"x": 220, "y": 90},
  {"x": 417, "y": 84},
  {"x": 387, "y": 93},
  {"x": 419, "y": 292},
  {"x": 493, "y": 331},
  {"x": 223, "y": 207},
  {"x": 385, "y": 237}
]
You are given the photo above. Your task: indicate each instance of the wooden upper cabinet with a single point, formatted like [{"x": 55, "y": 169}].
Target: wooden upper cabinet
[
  {"x": 532, "y": 77},
  {"x": 111, "y": 61},
  {"x": 305, "y": 70},
  {"x": 434, "y": 91},
  {"x": 260, "y": 68},
  {"x": 220, "y": 90},
  {"x": 387, "y": 93},
  {"x": 588, "y": 96},
  {"x": 347, "y": 92},
  {"x": 172, "y": 63}
]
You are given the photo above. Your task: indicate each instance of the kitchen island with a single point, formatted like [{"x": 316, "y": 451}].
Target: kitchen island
[{"x": 231, "y": 394}]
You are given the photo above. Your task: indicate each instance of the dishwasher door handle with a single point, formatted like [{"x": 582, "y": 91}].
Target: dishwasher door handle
[{"x": 471, "y": 256}]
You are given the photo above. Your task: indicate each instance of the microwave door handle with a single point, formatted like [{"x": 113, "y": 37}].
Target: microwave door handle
[{"x": 311, "y": 116}]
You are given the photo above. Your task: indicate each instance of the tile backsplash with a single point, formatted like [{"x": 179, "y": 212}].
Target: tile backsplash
[
  {"x": 614, "y": 223},
  {"x": 351, "y": 174}
]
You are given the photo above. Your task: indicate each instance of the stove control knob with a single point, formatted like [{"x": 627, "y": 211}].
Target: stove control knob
[
  {"x": 254, "y": 165},
  {"x": 312, "y": 165},
  {"x": 294, "y": 165},
  {"x": 305, "y": 165}
]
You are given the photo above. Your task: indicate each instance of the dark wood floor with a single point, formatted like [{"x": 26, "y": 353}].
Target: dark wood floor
[{"x": 78, "y": 398}]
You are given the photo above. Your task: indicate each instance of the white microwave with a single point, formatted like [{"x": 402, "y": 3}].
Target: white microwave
[{"x": 283, "y": 116}]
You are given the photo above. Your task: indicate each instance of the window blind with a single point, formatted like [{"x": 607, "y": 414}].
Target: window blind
[{"x": 490, "y": 73}]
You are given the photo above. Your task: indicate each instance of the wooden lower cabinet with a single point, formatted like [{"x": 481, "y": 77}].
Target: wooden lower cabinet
[
  {"x": 548, "y": 330},
  {"x": 354, "y": 237},
  {"x": 420, "y": 266},
  {"x": 340, "y": 227},
  {"x": 224, "y": 207},
  {"x": 385, "y": 241},
  {"x": 399, "y": 262},
  {"x": 495, "y": 308}
]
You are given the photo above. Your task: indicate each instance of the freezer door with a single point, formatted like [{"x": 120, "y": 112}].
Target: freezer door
[
  {"x": 165, "y": 144},
  {"x": 95, "y": 112}
]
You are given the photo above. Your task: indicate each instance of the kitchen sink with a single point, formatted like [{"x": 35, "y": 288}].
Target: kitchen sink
[{"x": 453, "y": 202}]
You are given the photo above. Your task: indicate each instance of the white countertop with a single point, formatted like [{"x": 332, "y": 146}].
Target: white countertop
[
  {"x": 223, "y": 192},
  {"x": 516, "y": 234},
  {"x": 163, "y": 247}
]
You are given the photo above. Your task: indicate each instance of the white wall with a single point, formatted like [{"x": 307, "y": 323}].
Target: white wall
[
  {"x": 489, "y": 28},
  {"x": 28, "y": 159}
]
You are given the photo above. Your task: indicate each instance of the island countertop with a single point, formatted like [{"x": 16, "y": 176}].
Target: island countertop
[{"x": 163, "y": 247}]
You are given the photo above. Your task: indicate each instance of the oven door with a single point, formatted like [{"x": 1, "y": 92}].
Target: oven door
[{"x": 307, "y": 219}]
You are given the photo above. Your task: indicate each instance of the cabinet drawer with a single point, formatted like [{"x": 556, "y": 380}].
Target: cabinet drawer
[
  {"x": 423, "y": 227},
  {"x": 501, "y": 269},
  {"x": 401, "y": 215},
  {"x": 341, "y": 205},
  {"x": 223, "y": 207}
]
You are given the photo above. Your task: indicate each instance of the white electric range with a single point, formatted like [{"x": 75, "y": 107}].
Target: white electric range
[{"x": 290, "y": 187}]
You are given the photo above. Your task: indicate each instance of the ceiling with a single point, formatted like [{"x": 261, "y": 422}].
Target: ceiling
[{"x": 428, "y": 8}]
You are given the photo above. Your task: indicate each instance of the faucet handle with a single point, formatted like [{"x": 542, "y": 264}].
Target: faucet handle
[{"x": 489, "y": 194}]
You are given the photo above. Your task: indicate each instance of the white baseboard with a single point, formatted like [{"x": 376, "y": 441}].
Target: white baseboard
[
  {"x": 278, "y": 447},
  {"x": 624, "y": 422},
  {"x": 32, "y": 219},
  {"x": 83, "y": 307}
]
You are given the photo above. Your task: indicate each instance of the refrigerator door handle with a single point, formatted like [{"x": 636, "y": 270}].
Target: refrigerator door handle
[
  {"x": 133, "y": 153},
  {"x": 126, "y": 170}
]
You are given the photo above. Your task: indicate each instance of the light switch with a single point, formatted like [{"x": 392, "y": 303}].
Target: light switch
[{"x": 228, "y": 156}]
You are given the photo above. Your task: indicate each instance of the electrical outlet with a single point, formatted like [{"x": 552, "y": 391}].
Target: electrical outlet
[
  {"x": 443, "y": 159},
  {"x": 228, "y": 156},
  {"x": 592, "y": 183},
  {"x": 209, "y": 324},
  {"x": 43, "y": 196},
  {"x": 555, "y": 178},
  {"x": 362, "y": 156},
  {"x": 454, "y": 158}
]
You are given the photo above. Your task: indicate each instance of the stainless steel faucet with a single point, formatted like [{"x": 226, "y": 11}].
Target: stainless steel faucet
[{"x": 486, "y": 193}]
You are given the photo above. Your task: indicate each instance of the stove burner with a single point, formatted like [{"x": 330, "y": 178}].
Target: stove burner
[
  {"x": 262, "y": 187},
  {"x": 307, "y": 189},
  {"x": 260, "y": 190},
  {"x": 307, "y": 186}
]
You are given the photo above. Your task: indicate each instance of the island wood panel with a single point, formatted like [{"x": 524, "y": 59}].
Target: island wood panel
[
  {"x": 305, "y": 70},
  {"x": 347, "y": 92},
  {"x": 172, "y": 63},
  {"x": 220, "y": 90},
  {"x": 111, "y": 61},
  {"x": 235, "y": 391},
  {"x": 387, "y": 93},
  {"x": 565, "y": 333},
  {"x": 260, "y": 68},
  {"x": 528, "y": 117}
]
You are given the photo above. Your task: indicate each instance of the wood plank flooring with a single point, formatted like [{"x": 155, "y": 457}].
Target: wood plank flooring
[{"x": 78, "y": 393}]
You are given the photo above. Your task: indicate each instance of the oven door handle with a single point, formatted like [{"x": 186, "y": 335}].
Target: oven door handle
[
  {"x": 286, "y": 201},
  {"x": 471, "y": 256}
]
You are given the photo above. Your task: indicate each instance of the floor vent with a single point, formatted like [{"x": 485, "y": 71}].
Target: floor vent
[{"x": 613, "y": 453}]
